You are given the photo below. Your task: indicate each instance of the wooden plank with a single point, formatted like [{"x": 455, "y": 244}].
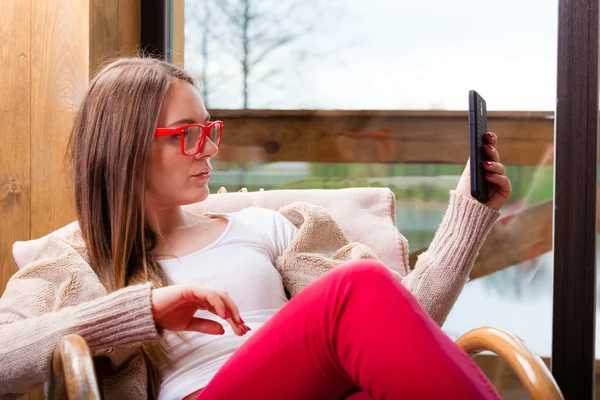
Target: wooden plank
[
  {"x": 376, "y": 136},
  {"x": 177, "y": 40},
  {"x": 59, "y": 77},
  {"x": 520, "y": 237},
  {"x": 115, "y": 31},
  {"x": 130, "y": 27},
  {"x": 104, "y": 33},
  {"x": 15, "y": 179},
  {"x": 515, "y": 238}
]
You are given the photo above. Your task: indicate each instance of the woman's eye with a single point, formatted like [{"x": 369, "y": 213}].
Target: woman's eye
[{"x": 177, "y": 135}]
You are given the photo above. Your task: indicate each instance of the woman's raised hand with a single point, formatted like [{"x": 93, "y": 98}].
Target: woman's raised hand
[{"x": 500, "y": 188}]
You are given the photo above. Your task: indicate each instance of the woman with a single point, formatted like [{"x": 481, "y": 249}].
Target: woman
[{"x": 141, "y": 148}]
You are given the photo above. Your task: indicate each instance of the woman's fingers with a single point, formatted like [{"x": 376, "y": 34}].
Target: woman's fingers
[
  {"x": 231, "y": 307},
  {"x": 491, "y": 153},
  {"x": 494, "y": 167},
  {"x": 233, "y": 317},
  {"x": 173, "y": 308},
  {"x": 490, "y": 148},
  {"x": 501, "y": 184},
  {"x": 226, "y": 309},
  {"x": 491, "y": 138},
  {"x": 205, "y": 326}
]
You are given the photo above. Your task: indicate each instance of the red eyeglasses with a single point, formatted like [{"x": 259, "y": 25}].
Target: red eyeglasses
[{"x": 193, "y": 136}]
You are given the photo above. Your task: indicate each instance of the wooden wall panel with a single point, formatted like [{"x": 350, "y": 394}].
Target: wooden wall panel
[
  {"x": 115, "y": 28},
  {"x": 130, "y": 26},
  {"x": 15, "y": 75},
  {"x": 46, "y": 52},
  {"x": 104, "y": 39},
  {"x": 59, "y": 77},
  {"x": 177, "y": 41}
]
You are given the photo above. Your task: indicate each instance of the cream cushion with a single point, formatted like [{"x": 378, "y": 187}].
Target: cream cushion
[{"x": 366, "y": 215}]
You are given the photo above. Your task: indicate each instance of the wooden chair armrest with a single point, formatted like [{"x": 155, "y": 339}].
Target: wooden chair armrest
[
  {"x": 73, "y": 374},
  {"x": 528, "y": 366}
]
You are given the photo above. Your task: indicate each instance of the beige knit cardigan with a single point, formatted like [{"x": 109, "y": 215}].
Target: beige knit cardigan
[{"x": 59, "y": 294}]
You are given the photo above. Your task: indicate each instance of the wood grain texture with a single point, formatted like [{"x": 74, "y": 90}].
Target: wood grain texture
[
  {"x": 104, "y": 33},
  {"x": 177, "y": 41},
  {"x": 114, "y": 31},
  {"x": 528, "y": 366},
  {"x": 45, "y": 52},
  {"x": 59, "y": 77},
  {"x": 515, "y": 238},
  {"x": 377, "y": 136},
  {"x": 130, "y": 23},
  {"x": 73, "y": 375},
  {"x": 15, "y": 179}
]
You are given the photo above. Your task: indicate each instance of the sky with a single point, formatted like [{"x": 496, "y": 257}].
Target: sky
[{"x": 393, "y": 54}]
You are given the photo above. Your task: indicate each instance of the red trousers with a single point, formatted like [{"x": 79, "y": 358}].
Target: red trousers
[{"x": 354, "y": 333}]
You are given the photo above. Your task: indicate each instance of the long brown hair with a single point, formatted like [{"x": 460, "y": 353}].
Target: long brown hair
[{"x": 108, "y": 151}]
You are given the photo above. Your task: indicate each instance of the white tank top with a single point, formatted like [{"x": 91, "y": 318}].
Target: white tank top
[{"x": 240, "y": 262}]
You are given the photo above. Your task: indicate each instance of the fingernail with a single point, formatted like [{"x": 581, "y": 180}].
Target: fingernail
[
  {"x": 489, "y": 147},
  {"x": 488, "y": 174},
  {"x": 488, "y": 163},
  {"x": 242, "y": 321},
  {"x": 490, "y": 135},
  {"x": 226, "y": 316}
]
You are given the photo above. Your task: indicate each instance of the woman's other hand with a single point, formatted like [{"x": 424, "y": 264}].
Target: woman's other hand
[
  {"x": 495, "y": 174},
  {"x": 173, "y": 308}
]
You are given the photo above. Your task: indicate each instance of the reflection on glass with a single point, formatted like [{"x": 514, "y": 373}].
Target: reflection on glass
[{"x": 396, "y": 55}]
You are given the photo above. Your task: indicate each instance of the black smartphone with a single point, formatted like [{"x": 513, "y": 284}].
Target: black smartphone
[{"x": 480, "y": 189}]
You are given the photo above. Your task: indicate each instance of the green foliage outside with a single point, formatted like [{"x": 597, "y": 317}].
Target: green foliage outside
[{"x": 530, "y": 183}]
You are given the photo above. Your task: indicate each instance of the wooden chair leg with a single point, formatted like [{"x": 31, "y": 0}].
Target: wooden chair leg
[
  {"x": 528, "y": 366},
  {"x": 73, "y": 376}
]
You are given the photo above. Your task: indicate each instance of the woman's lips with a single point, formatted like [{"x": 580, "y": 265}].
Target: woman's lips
[{"x": 202, "y": 175}]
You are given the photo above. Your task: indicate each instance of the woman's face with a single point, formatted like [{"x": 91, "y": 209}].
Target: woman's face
[{"x": 173, "y": 179}]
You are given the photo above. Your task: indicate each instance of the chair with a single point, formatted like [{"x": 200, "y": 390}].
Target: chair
[
  {"x": 372, "y": 223},
  {"x": 73, "y": 374}
]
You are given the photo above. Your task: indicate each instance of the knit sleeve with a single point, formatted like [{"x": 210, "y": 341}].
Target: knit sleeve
[
  {"x": 56, "y": 295},
  {"x": 441, "y": 272}
]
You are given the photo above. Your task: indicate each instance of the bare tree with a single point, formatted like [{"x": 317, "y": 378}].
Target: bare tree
[
  {"x": 251, "y": 32},
  {"x": 204, "y": 50},
  {"x": 198, "y": 17}
]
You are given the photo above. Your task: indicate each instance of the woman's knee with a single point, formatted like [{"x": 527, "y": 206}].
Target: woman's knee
[{"x": 364, "y": 271}]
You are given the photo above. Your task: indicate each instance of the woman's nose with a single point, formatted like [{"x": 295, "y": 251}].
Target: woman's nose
[{"x": 210, "y": 150}]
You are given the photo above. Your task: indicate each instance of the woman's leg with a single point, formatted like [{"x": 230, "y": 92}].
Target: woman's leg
[{"x": 355, "y": 329}]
